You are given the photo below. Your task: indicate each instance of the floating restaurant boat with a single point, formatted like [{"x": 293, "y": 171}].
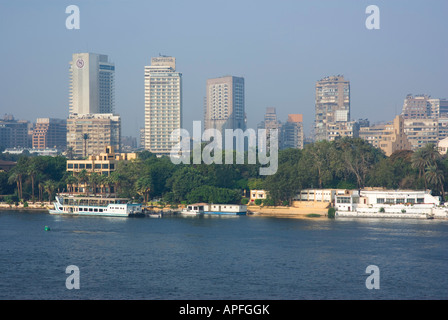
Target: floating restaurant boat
[
  {"x": 220, "y": 209},
  {"x": 95, "y": 206}
]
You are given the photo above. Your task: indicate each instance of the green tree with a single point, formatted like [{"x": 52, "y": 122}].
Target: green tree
[
  {"x": 435, "y": 176},
  {"x": 71, "y": 181},
  {"x": 50, "y": 187},
  {"x": 143, "y": 187}
]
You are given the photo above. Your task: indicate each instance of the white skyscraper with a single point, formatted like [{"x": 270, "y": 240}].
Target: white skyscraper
[
  {"x": 92, "y": 124},
  {"x": 163, "y": 104},
  {"x": 91, "y": 84}
]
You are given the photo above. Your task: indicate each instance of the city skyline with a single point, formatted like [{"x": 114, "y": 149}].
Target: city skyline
[{"x": 282, "y": 50}]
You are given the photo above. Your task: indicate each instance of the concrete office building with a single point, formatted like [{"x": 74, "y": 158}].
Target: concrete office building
[
  {"x": 14, "y": 133},
  {"x": 89, "y": 134},
  {"x": 225, "y": 105},
  {"x": 163, "y": 105}
]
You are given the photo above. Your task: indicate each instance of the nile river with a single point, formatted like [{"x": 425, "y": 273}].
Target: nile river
[{"x": 220, "y": 258}]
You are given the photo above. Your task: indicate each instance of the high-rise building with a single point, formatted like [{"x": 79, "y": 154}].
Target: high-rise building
[
  {"x": 438, "y": 107},
  {"x": 225, "y": 105},
  {"x": 292, "y": 132},
  {"x": 332, "y": 104},
  {"x": 14, "y": 133},
  {"x": 416, "y": 107},
  {"x": 50, "y": 133},
  {"x": 271, "y": 122},
  {"x": 163, "y": 104},
  {"x": 89, "y": 134},
  {"x": 91, "y": 84}
]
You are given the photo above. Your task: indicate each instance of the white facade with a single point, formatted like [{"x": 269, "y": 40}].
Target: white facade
[
  {"x": 388, "y": 201},
  {"x": 442, "y": 146},
  {"x": 320, "y": 195},
  {"x": 163, "y": 104},
  {"x": 257, "y": 194},
  {"x": 92, "y": 81}
]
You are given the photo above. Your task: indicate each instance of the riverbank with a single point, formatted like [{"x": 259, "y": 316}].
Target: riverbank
[
  {"x": 37, "y": 206},
  {"x": 298, "y": 211}
]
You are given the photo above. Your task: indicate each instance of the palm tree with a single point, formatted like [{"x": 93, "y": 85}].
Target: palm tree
[
  {"x": 94, "y": 181},
  {"x": 85, "y": 137},
  {"x": 424, "y": 158},
  {"x": 115, "y": 180},
  {"x": 17, "y": 178},
  {"x": 83, "y": 178},
  {"x": 435, "y": 176},
  {"x": 41, "y": 187},
  {"x": 32, "y": 172},
  {"x": 143, "y": 187},
  {"x": 50, "y": 186},
  {"x": 418, "y": 161},
  {"x": 71, "y": 181}
]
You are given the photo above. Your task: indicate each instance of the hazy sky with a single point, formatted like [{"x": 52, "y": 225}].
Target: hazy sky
[{"x": 280, "y": 47}]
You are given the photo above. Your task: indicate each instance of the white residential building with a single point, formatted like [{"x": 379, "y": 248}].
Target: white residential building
[{"x": 163, "y": 104}]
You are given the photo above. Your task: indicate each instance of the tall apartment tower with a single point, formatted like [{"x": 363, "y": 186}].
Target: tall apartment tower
[
  {"x": 163, "y": 104},
  {"x": 92, "y": 79},
  {"x": 271, "y": 122},
  {"x": 225, "y": 107},
  {"x": 416, "y": 107},
  {"x": 292, "y": 132},
  {"x": 50, "y": 133},
  {"x": 422, "y": 106},
  {"x": 332, "y": 104}
]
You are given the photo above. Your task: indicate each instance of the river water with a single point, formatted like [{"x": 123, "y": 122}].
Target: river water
[{"x": 220, "y": 258}]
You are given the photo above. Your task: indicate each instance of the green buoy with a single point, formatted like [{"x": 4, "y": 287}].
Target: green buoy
[{"x": 47, "y": 228}]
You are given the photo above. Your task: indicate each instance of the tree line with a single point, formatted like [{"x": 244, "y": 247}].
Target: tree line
[{"x": 344, "y": 164}]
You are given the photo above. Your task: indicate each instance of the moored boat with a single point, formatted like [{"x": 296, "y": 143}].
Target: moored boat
[
  {"x": 193, "y": 209},
  {"x": 95, "y": 206},
  {"x": 215, "y": 209}
]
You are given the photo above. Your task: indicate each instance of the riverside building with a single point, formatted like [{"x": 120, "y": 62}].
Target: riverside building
[{"x": 103, "y": 164}]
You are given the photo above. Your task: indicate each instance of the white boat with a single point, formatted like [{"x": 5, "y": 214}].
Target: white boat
[
  {"x": 95, "y": 206},
  {"x": 193, "y": 209},
  {"x": 215, "y": 209},
  {"x": 226, "y": 209}
]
